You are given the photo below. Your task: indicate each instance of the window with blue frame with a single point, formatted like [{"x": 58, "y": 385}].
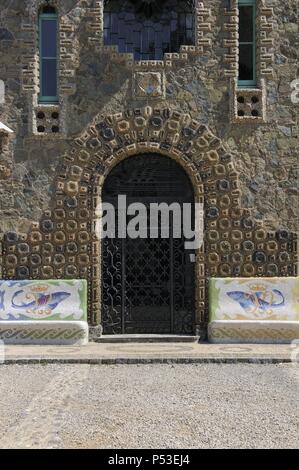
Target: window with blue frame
[
  {"x": 247, "y": 43},
  {"x": 48, "y": 26}
]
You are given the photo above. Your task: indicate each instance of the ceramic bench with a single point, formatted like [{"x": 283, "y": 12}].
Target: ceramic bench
[
  {"x": 253, "y": 310},
  {"x": 43, "y": 312}
]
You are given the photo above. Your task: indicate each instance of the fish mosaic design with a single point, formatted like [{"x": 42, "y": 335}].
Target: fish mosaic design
[
  {"x": 256, "y": 302},
  {"x": 43, "y": 300},
  {"x": 40, "y": 301},
  {"x": 254, "y": 299}
]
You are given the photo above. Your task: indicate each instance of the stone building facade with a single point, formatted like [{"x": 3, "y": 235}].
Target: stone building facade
[{"x": 238, "y": 145}]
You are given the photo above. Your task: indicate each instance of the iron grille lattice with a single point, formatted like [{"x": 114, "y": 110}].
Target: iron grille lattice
[
  {"x": 148, "y": 284},
  {"x": 149, "y": 28}
]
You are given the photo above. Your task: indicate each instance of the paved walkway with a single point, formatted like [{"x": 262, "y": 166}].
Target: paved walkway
[{"x": 138, "y": 353}]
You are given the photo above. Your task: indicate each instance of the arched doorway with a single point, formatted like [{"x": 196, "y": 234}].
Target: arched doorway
[{"x": 148, "y": 283}]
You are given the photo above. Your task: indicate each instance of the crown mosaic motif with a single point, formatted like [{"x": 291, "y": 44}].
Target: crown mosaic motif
[{"x": 39, "y": 288}]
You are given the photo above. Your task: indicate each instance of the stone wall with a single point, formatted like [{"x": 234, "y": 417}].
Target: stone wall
[
  {"x": 97, "y": 84},
  {"x": 265, "y": 153}
]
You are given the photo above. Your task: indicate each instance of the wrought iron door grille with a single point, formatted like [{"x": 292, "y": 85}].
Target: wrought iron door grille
[{"x": 148, "y": 284}]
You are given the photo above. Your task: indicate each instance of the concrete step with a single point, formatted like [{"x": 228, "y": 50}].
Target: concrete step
[{"x": 147, "y": 339}]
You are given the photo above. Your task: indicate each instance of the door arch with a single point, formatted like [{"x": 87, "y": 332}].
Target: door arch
[{"x": 148, "y": 284}]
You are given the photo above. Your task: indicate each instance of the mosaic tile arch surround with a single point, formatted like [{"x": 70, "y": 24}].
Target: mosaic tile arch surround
[{"x": 64, "y": 244}]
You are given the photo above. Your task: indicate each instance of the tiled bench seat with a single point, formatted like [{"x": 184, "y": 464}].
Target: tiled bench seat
[
  {"x": 254, "y": 310},
  {"x": 43, "y": 312}
]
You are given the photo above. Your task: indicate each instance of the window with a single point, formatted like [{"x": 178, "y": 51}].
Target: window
[
  {"x": 247, "y": 43},
  {"x": 149, "y": 28},
  {"x": 48, "y": 22}
]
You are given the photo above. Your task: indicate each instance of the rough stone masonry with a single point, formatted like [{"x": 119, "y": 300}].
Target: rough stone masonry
[{"x": 238, "y": 146}]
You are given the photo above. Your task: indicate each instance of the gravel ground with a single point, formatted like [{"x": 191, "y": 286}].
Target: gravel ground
[{"x": 149, "y": 406}]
